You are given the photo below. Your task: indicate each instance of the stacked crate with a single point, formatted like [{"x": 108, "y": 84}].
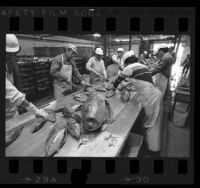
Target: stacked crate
[
  {"x": 35, "y": 77},
  {"x": 27, "y": 78},
  {"x": 43, "y": 80}
]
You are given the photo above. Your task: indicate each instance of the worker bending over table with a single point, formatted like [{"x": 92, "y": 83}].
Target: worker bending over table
[
  {"x": 96, "y": 67},
  {"x": 150, "y": 98},
  {"x": 67, "y": 78}
]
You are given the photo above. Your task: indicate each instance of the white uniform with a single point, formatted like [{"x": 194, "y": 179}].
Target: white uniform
[
  {"x": 118, "y": 60},
  {"x": 13, "y": 98},
  {"x": 98, "y": 66},
  {"x": 152, "y": 102}
]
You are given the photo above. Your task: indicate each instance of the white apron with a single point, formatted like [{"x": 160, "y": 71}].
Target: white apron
[
  {"x": 60, "y": 87},
  {"x": 151, "y": 100}
]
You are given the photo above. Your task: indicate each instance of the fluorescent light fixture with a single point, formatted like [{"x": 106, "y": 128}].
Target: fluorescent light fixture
[
  {"x": 124, "y": 40},
  {"x": 96, "y": 35},
  {"x": 91, "y": 9},
  {"x": 117, "y": 40}
]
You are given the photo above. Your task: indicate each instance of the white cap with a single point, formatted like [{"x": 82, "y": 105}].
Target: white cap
[
  {"x": 12, "y": 43},
  {"x": 120, "y": 50},
  {"x": 145, "y": 52},
  {"x": 71, "y": 46},
  {"x": 128, "y": 54},
  {"x": 99, "y": 51}
]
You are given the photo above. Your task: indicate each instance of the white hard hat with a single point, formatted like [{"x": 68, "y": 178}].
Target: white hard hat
[
  {"x": 12, "y": 43},
  {"x": 71, "y": 46},
  {"x": 145, "y": 52},
  {"x": 120, "y": 50},
  {"x": 99, "y": 51},
  {"x": 128, "y": 54}
]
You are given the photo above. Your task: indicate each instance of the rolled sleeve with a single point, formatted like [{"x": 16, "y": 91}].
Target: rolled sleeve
[
  {"x": 13, "y": 95},
  {"x": 55, "y": 69}
]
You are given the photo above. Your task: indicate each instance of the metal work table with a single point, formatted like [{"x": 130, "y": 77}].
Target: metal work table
[{"x": 125, "y": 115}]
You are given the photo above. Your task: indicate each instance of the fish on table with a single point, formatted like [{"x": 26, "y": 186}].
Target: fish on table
[
  {"x": 74, "y": 127},
  {"x": 12, "y": 136},
  {"x": 41, "y": 121},
  {"x": 125, "y": 95},
  {"x": 56, "y": 138},
  {"x": 95, "y": 112}
]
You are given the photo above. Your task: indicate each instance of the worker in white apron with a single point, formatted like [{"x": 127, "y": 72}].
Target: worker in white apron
[
  {"x": 67, "y": 78},
  {"x": 164, "y": 67},
  {"x": 117, "y": 64},
  {"x": 96, "y": 67},
  {"x": 15, "y": 98},
  {"x": 118, "y": 58},
  {"x": 150, "y": 98}
]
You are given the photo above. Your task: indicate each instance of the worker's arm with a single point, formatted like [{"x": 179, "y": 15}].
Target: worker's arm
[
  {"x": 161, "y": 65},
  {"x": 55, "y": 69},
  {"x": 76, "y": 73},
  {"x": 89, "y": 67},
  {"x": 13, "y": 95},
  {"x": 104, "y": 71},
  {"x": 18, "y": 98},
  {"x": 126, "y": 73}
]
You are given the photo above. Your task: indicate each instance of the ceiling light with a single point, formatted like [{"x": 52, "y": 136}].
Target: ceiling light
[
  {"x": 117, "y": 40},
  {"x": 124, "y": 40},
  {"x": 96, "y": 35}
]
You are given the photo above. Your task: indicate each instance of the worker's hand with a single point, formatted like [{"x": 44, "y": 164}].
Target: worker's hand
[
  {"x": 85, "y": 83},
  {"x": 36, "y": 111},
  {"x": 41, "y": 112},
  {"x": 110, "y": 93}
]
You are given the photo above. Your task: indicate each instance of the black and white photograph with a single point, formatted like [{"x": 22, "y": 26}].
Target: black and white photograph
[{"x": 97, "y": 95}]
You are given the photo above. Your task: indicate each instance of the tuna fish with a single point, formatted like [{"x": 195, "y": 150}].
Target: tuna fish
[
  {"x": 73, "y": 128},
  {"x": 56, "y": 139},
  {"x": 51, "y": 115},
  {"x": 39, "y": 123},
  {"x": 11, "y": 137},
  {"x": 125, "y": 95},
  {"x": 95, "y": 112},
  {"x": 67, "y": 110},
  {"x": 112, "y": 70}
]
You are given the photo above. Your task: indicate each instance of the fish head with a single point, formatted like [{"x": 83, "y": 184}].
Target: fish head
[
  {"x": 125, "y": 95},
  {"x": 91, "y": 124}
]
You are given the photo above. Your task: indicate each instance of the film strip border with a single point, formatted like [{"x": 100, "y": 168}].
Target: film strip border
[
  {"x": 157, "y": 20},
  {"x": 119, "y": 171},
  {"x": 110, "y": 24},
  {"x": 82, "y": 21}
]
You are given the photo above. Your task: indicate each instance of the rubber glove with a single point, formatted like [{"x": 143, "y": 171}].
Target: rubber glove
[{"x": 36, "y": 111}]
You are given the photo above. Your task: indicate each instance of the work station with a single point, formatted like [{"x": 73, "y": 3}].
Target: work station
[{"x": 97, "y": 95}]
